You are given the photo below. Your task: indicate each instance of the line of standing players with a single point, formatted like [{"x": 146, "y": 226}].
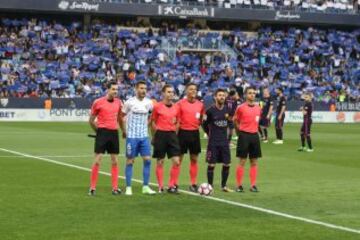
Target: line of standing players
[
  {"x": 182, "y": 136},
  {"x": 175, "y": 132}
]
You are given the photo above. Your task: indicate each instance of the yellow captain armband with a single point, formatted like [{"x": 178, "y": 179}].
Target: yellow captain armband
[{"x": 261, "y": 104}]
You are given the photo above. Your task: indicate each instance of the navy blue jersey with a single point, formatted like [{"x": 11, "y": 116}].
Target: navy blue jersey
[
  {"x": 216, "y": 125},
  {"x": 231, "y": 105},
  {"x": 308, "y": 107},
  {"x": 281, "y": 102},
  {"x": 265, "y": 110}
]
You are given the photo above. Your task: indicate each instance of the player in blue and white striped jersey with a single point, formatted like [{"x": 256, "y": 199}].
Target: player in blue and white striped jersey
[{"x": 137, "y": 110}]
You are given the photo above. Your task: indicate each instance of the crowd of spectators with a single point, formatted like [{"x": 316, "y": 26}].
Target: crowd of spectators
[{"x": 49, "y": 59}]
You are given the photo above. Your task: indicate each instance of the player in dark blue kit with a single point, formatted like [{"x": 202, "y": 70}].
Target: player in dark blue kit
[
  {"x": 266, "y": 113},
  {"x": 218, "y": 151},
  {"x": 305, "y": 131},
  {"x": 232, "y": 101},
  {"x": 280, "y": 116}
]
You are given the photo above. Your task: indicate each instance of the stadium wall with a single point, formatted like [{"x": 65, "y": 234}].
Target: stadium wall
[
  {"x": 43, "y": 115},
  {"x": 82, "y": 115},
  {"x": 324, "y": 117},
  {"x": 65, "y": 103},
  {"x": 177, "y": 11}
]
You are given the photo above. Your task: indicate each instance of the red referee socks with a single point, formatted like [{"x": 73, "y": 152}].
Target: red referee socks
[
  {"x": 176, "y": 182},
  {"x": 114, "y": 176},
  {"x": 160, "y": 175},
  {"x": 94, "y": 176},
  {"x": 174, "y": 175},
  {"x": 239, "y": 175},
  {"x": 193, "y": 172},
  {"x": 253, "y": 175}
]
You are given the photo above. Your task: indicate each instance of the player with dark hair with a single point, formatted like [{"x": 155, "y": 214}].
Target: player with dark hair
[
  {"x": 164, "y": 121},
  {"x": 105, "y": 119},
  {"x": 280, "y": 116},
  {"x": 266, "y": 113},
  {"x": 218, "y": 151},
  {"x": 246, "y": 120},
  {"x": 191, "y": 113},
  {"x": 305, "y": 131},
  {"x": 232, "y": 101},
  {"x": 137, "y": 110}
]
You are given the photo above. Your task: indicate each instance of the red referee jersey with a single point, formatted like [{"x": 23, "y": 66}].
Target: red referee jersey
[
  {"x": 190, "y": 114},
  {"x": 248, "y": 117},
  {"x": 165, "y": 117},
  {"x": 106, "y": 112}
]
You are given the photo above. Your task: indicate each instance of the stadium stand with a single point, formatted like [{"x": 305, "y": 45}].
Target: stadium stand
[
  {"x": 41, "y": 59},
  {"x": 331, "y": 6}
]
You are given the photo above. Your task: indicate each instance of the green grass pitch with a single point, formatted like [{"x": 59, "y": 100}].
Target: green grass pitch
[{"x": 40, "y": 200}]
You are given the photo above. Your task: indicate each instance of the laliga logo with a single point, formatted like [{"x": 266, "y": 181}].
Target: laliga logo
[
  {"x": 4, "y": 102},
  {"x": 128, "y": 148},
  {"x": 64, "y": 5}
]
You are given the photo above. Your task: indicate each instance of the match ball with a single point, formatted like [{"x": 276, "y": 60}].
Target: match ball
[{"x": 205, "y": 189}]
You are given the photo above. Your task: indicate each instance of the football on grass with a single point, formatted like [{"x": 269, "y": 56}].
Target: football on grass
[{"x": 205, "y": 189}]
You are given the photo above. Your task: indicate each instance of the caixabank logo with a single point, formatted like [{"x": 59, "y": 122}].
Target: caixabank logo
[
  {"x": 74, "y": 5},
  {"x": 185, "y": 11}
]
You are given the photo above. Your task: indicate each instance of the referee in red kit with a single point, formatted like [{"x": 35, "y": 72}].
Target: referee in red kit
[
  {"x": 164, "y": 120},
  {"x": 246, "y": 120},
  {"x": 191, "y": 112},
  {"x": 105, "y": 119}
]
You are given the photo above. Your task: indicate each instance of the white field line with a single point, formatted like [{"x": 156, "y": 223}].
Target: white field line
[
  {"x": 233, "y": 203},
  {"x": 31, "y": 133},
  {"x": 49, "y": 156},
  {"x": 54, "y": 156}
]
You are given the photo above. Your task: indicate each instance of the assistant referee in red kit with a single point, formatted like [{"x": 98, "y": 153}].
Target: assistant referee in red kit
[
  {"x": 246, "y": 121},
  {"x": 105, "y": 119}
]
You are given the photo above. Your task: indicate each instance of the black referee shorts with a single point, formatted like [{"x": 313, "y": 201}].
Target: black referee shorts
[
  {"x": 166, "y": 143},
  {"x": 248, "y": 145},
  {"x": 189, "y": 140},
  {"x": 106, "y": 141}
]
